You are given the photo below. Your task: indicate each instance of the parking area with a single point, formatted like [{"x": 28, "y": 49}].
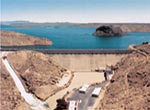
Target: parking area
[
  {"x": 78, "y": 80},
  {"x": 85, "y": 99}
]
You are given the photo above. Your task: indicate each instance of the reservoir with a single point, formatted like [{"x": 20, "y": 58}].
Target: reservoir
[{"x": 80, "y": 38}]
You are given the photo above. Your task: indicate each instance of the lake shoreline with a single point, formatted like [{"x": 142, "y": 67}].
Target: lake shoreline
[{"x": 80, "y": 38}]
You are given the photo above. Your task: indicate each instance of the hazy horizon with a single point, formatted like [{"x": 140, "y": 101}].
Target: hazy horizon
[
  {"x": 79, "y": 11},
  {"x": 80, "y": 22}
]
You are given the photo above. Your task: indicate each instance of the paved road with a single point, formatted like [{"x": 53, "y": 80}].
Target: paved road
[{"x": 86, "y": 98}]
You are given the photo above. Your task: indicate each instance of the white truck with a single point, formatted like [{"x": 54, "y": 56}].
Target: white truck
[
  {"x": 84, "y": 88},
  {"x": 96, "y": 92},
  {"x": 73, "y": 105}
]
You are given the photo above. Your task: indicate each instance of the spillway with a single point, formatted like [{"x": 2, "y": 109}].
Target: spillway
[{"x": 34, "y": 102}]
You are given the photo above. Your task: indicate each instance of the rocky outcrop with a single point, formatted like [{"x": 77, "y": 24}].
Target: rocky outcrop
[
  {"x": 38, "y": 72},
  {"x": 108, "y": 31},
  {"x": 129, "y": 88},
  {"x": 9, "y": 38}
]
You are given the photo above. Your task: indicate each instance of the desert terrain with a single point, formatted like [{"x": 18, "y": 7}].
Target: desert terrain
[
  {"x": 38, "y": 72},
  {"x": 41, "y": 74},
  {"x": 129, "y": 88}
]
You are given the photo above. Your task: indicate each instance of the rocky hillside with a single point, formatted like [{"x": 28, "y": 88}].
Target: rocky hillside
[
  {"x": 10, "y": 96},
  {"x": 129, "y": 88},
  {"x": 37, "y": 71},
  {"x": 9, "y": 38}
]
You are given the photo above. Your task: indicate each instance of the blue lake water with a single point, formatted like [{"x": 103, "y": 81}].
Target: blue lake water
[{"x": 81, "y": 38}]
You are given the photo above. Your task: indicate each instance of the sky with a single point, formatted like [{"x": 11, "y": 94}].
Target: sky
[{"x": 77, "y": 11}]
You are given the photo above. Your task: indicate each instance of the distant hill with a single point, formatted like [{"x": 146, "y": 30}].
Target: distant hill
[
  {"x": 35, "y": 24},
  {"x": 127, "y": 27},
  {"x": 11, "y": 22}
]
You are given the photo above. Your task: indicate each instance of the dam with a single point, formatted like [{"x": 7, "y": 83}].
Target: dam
[
  {"x": 86, "y": 62},
  {"x": 81, "y": 60}
]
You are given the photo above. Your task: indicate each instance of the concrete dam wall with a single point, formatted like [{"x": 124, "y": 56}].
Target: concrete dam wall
[
  {"x": 86, "y": 62},
  {"x": 81, "y": 60}
]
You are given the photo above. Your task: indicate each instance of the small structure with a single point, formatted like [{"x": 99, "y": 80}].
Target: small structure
[
  {"x": 108, "y": 69},
  {"x": 107, "y": 72},
  {"x": 84, "y": 88},
  {"x": 96, "y": 92},
  {"x": 73, "y": 105},
  {"x": 100, "y": 69}
]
